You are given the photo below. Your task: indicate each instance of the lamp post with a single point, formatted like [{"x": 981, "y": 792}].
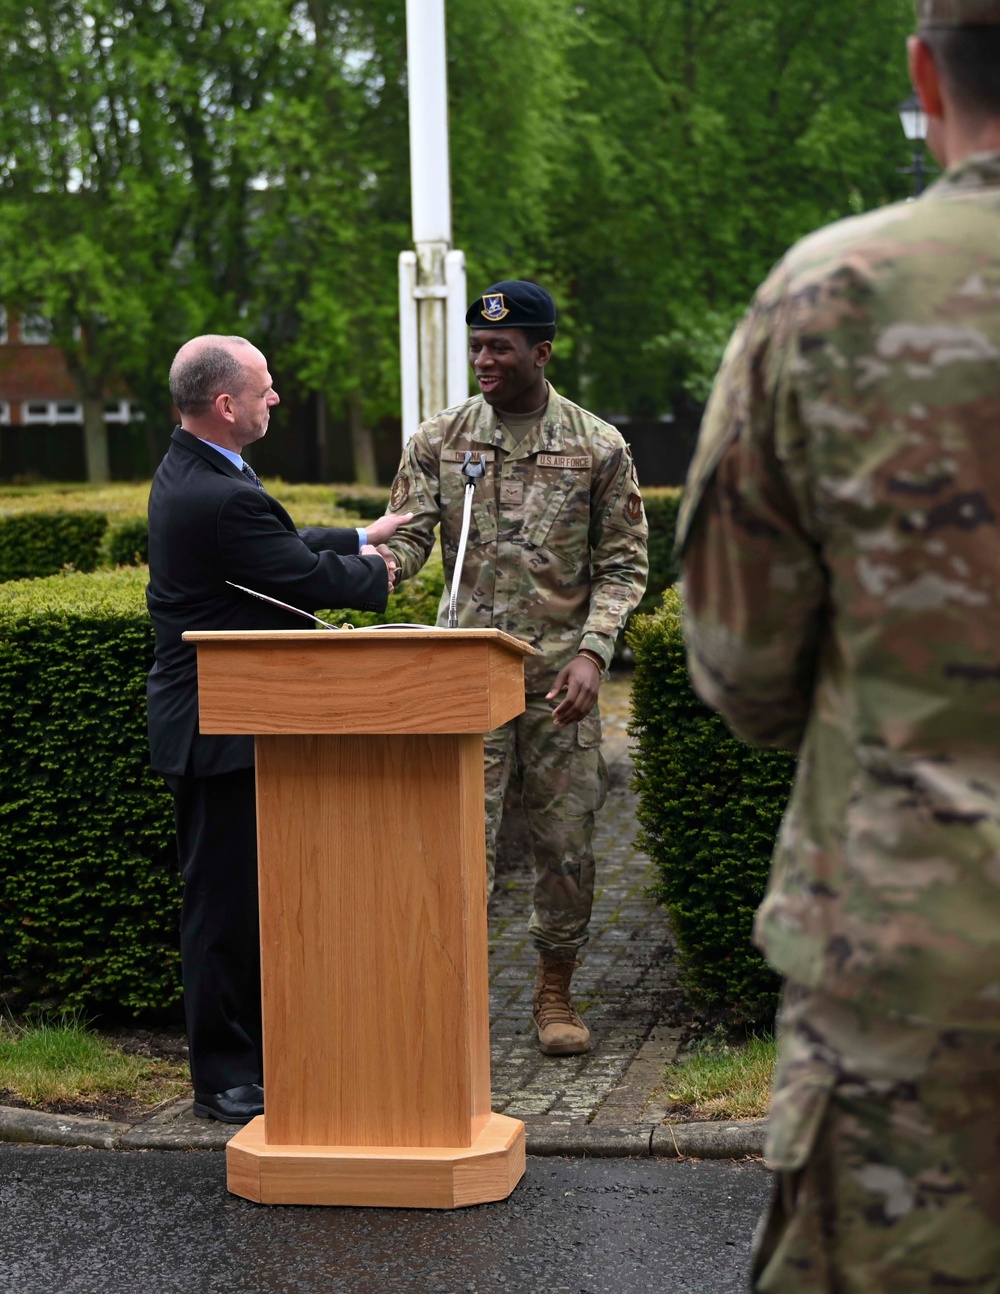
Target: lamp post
[{"x": 914, "y": 120}]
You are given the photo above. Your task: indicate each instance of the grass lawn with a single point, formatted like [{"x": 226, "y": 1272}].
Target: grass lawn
[
  {"x": 721, "y": 1080},
  {"x": 60, "y": 1061}
]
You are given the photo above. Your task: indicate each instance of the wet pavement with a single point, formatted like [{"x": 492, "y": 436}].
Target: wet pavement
[{"x": 100, "y": 1222}]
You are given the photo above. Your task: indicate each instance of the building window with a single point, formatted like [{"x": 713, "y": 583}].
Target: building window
[
  {"x": 3, "y": 327},
  {"x": 55, "y": 411},
  {"x": 4, "y": 413},
  {"x": 35, "y": 411},
  {"x": 118, "y": 411},
  {"x": 51, "y": 411},
  {"x": 35, "y": 329}
]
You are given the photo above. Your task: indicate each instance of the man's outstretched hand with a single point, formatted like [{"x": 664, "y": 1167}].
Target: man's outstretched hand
[
  {"x": 387, "y": 556},
  {"x": 582, "y": 679},
  {"x": 385, "y": 527}
]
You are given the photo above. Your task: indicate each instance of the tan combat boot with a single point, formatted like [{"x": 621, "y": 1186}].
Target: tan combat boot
[{"x": 561, "y": 1032}]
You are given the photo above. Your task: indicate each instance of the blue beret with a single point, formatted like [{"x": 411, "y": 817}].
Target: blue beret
[{"x": 514, "y": 303}]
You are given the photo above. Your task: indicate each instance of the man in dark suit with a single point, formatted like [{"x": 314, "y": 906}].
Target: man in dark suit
[{"x": 210, "y": 521}]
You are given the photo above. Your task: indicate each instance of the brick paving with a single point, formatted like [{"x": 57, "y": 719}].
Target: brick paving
[{"x": 625, "y": 987}]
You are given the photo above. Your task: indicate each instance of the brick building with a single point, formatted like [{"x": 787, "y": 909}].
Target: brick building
[{"x": 41, "y": 415}]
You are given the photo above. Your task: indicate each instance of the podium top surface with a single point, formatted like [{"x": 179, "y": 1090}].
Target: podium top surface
[{"x": 371, "y": 633}]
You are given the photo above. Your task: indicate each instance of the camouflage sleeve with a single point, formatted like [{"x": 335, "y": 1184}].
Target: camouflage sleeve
[
  {"x": 755, "y": 588},
  {"x": 415, "y": 489},
  {"x": 618, "y": 558}
]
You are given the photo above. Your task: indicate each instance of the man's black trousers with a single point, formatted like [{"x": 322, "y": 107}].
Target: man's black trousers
[{"x": 220, "y": 937}]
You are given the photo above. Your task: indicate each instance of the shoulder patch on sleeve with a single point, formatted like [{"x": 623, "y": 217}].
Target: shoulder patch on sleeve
[{"x": 400, "y": 491}]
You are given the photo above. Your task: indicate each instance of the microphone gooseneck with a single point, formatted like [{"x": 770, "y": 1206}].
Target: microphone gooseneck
[{"x": 472, "y": 473}]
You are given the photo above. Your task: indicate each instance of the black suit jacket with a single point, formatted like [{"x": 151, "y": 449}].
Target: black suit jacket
[{"x": 208, "y": 524}]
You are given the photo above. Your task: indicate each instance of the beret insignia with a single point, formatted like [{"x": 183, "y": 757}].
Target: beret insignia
[{"x": 493, "y": 307}]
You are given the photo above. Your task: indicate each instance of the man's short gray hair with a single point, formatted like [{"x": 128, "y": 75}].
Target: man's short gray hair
[{"x": 209, "y": 371}]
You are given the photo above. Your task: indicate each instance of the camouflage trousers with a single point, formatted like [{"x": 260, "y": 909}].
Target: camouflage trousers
[
  {"x": 564, "y": 782},
  {"x": 885, "y": 1141}
]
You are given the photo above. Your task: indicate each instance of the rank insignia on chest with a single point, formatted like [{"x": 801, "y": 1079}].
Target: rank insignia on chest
[
  {"x": 511, "y": 491},
  {"x": 633, "y": 508},
  {"x": 400, "y": 491},
  {"x": 493, "y": 307}
]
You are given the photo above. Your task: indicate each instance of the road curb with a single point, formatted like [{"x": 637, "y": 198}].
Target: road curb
[
  {"x": 734, "y": 1140},
  {"x": 175, "y": 1128},
  {"x": 41, "y": 1129}
]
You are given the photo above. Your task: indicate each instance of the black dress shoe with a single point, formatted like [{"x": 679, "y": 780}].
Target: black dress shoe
[{"x": 235, "y": 1105}]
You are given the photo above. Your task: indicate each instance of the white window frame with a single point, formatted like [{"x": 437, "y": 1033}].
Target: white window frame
[
  {"x": 50, "y": 412},
  {"x": 67, "y": 411},
  {"x": 35, "y": 411},
  {"x": 118, "y": 411},
  {"x": 35, "y": 329}
]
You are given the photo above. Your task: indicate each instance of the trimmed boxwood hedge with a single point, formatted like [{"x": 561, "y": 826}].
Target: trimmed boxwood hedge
[
  {"x": 415, "y": 602},
  {"x": 43, "y": 542},
  {"x": 89, "y": 895},
  {"x": 128, "y": 543},
  {"x": 44, "y": 530},
  {"x": 661, "y": 515},
  {"x": 709, "y": 811}
]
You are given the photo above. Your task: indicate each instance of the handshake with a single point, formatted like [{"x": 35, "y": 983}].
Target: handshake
[{"x": 378, "y": 532}]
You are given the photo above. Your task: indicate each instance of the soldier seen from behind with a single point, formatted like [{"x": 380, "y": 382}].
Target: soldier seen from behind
[
  {"x": 841, "y": 535},
  {"x": 557, "y": 557}
]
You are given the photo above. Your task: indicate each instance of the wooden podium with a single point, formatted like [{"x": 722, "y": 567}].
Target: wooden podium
[{"x": 369, "y": 758}]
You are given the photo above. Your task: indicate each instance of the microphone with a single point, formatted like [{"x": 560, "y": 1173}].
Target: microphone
[{"x": 472, "y": 473}]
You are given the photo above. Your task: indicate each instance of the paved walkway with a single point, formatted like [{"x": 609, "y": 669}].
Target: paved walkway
[{"x": 626, "y": 982}]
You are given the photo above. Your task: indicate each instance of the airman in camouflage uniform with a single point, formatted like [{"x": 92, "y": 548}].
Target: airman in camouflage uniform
[
  {"x": 556, "y": 556},
  {"x": 841, "y": 533}
]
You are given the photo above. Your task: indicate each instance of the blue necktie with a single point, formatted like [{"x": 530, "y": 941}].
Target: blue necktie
[{"x": 248, "y": 472}]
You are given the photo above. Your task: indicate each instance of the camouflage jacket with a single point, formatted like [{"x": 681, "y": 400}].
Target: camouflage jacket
[
  {"x": 842, "y": 581},
  {"x": 556, "y": 553}
]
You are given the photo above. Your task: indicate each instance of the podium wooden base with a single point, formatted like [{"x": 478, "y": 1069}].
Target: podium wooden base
[{"x": 394, "y": 1177}]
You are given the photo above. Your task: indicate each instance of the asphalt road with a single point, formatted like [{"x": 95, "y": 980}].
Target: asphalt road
[{"x": 96, "y": 1222}]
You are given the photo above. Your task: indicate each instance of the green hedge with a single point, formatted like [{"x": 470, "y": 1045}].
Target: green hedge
[
  {"x": 42, "y": 543},
  {"x": 128, "y": 543},
  {"x": 415, "y": 601},
  {"x": 369, "y": 502},
  {"x": 89, "y": 894},
  {"x": 44, "y": 529},
  {"x": 661, "y": 514},
  {"x": 709, "y": 811}
]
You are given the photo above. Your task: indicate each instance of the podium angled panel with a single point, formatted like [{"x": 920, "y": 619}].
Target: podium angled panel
[{"x": 394, "y": 681}]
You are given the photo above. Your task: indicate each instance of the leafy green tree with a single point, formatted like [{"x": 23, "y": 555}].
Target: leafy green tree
[
  {"x": 710, "y": 135},
  {"x": 128, "y": 137},
  {"x": 172, "y": 166}
]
